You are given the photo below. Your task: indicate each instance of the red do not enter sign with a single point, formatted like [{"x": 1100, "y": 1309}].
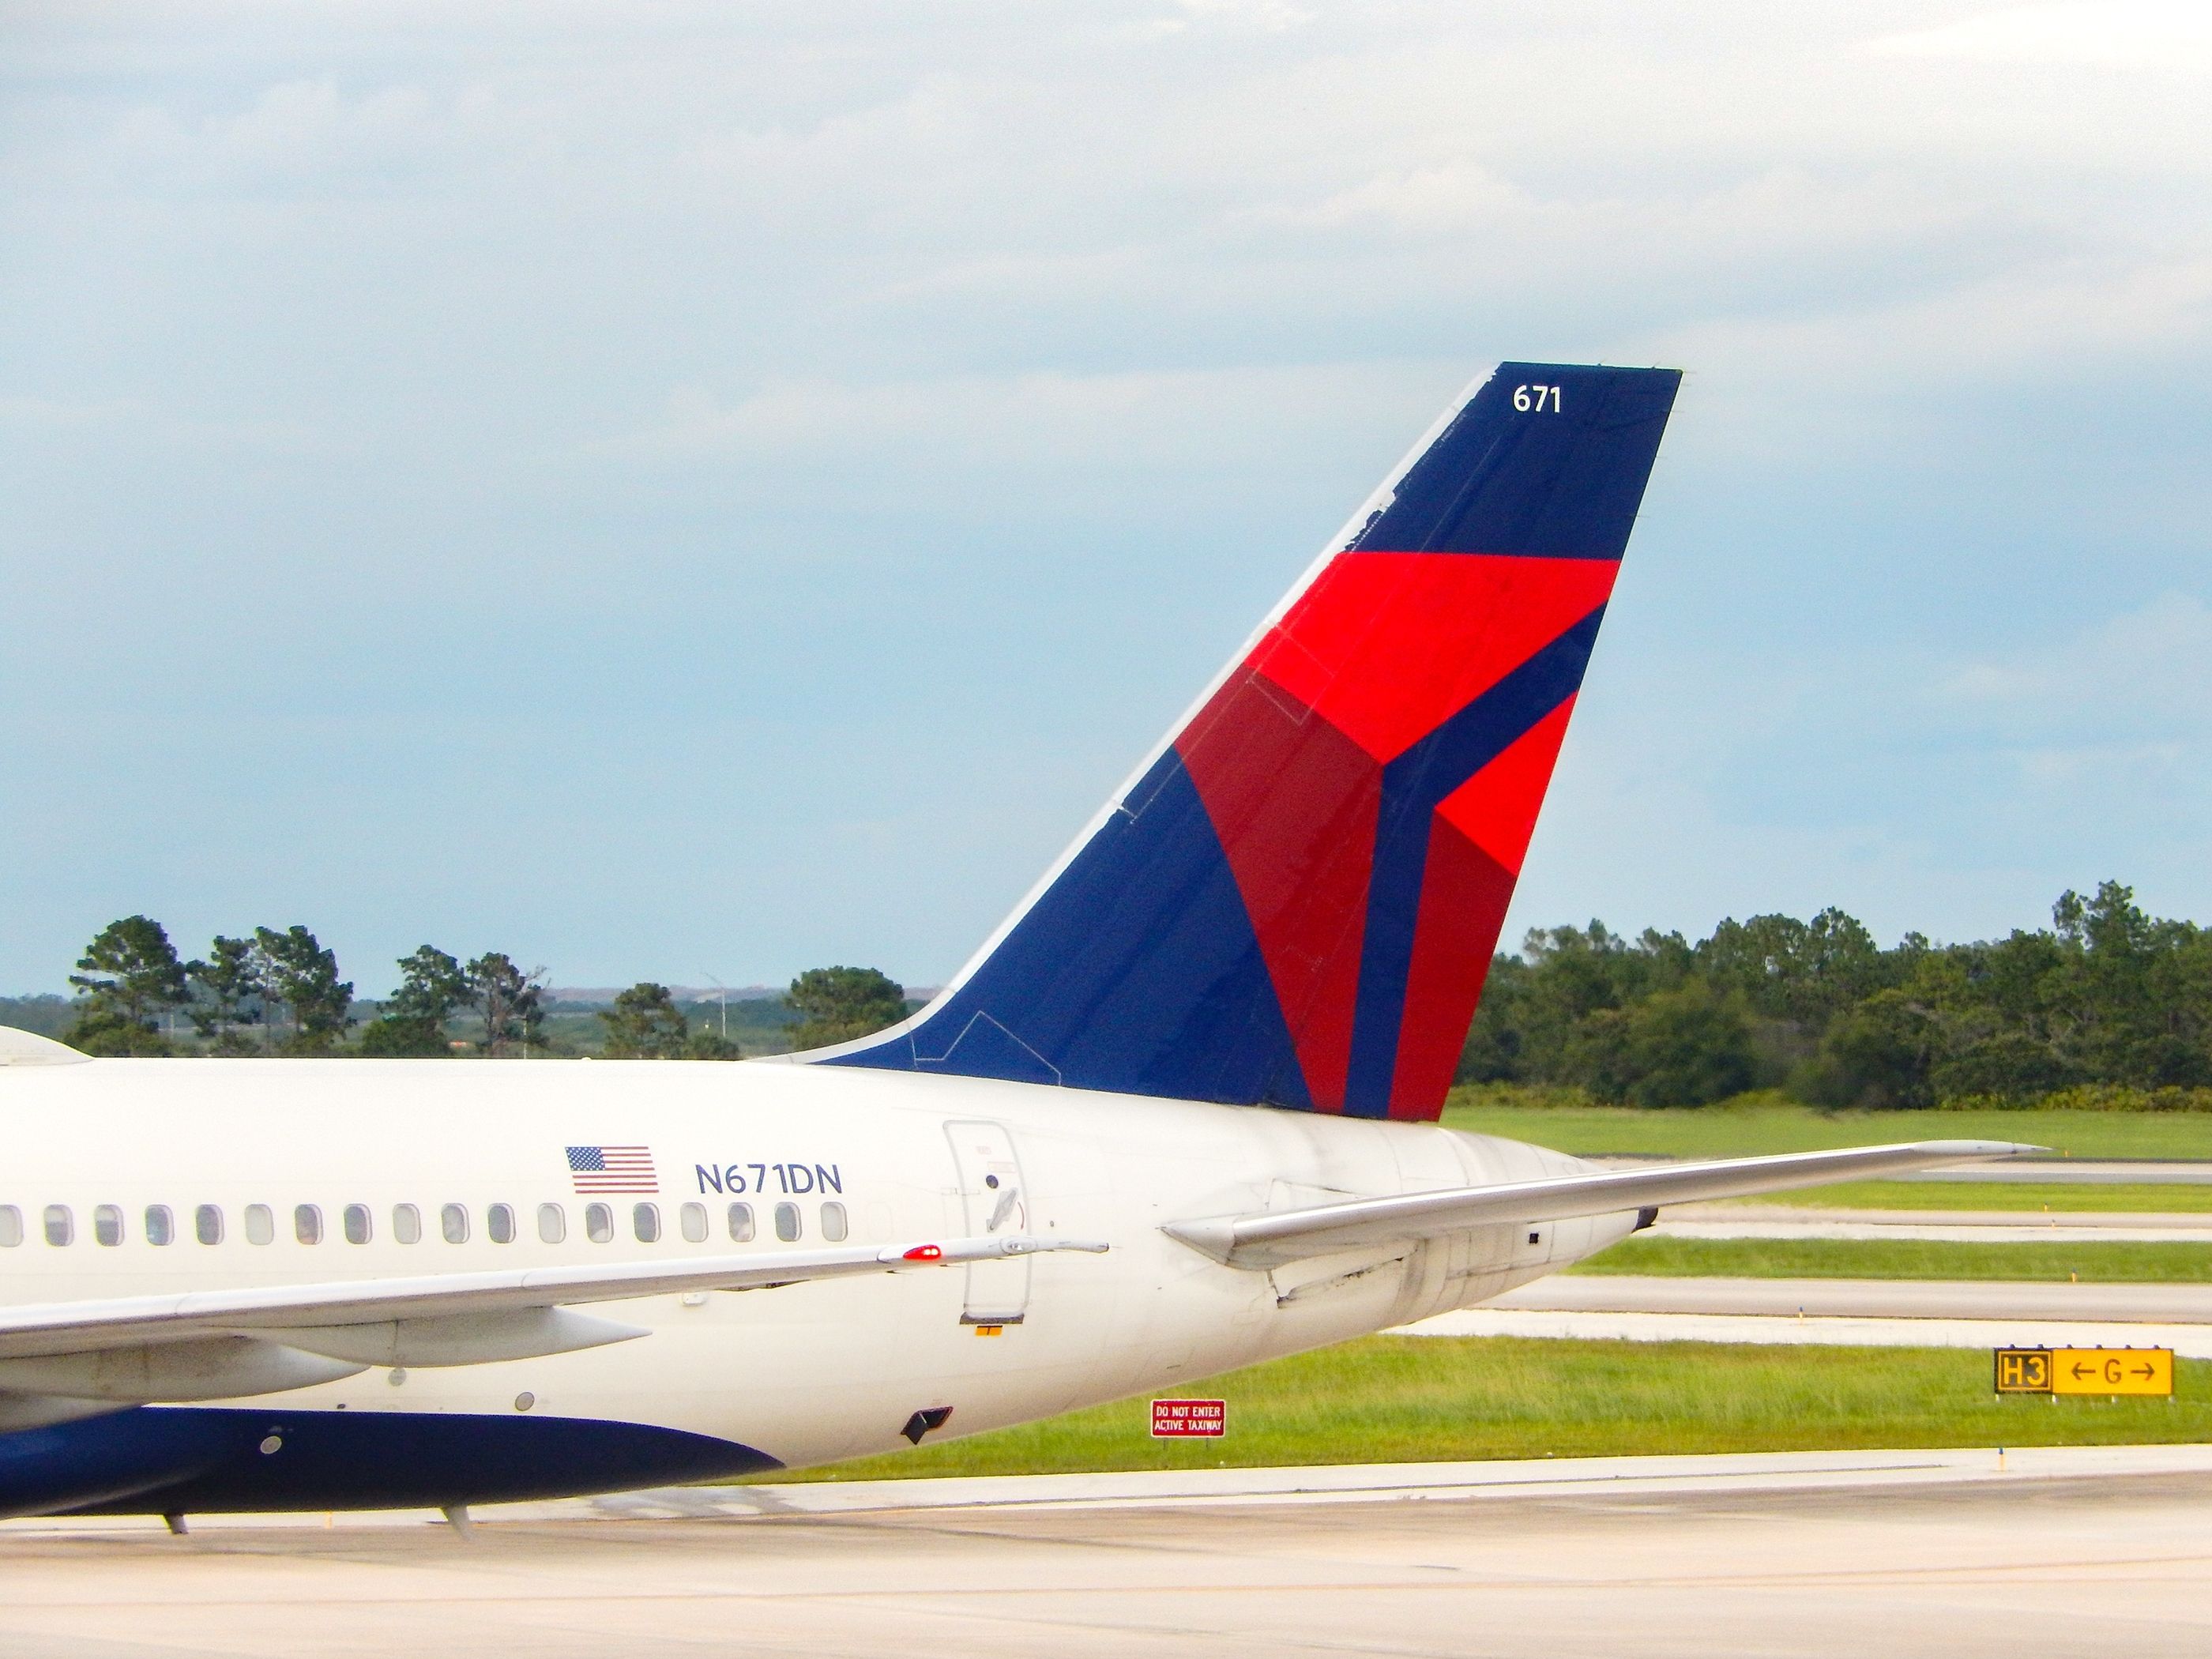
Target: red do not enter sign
[{"x": 1189, "y": 1420}]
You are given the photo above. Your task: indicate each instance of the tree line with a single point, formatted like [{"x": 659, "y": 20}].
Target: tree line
[
  {"x": 833, "y": 1005},
  {"x": 2107, "y": 998},
  {"x": 274, "y": 992}
]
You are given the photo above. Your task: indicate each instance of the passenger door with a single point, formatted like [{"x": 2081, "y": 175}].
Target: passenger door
[{"x": 994, "y": 1200}]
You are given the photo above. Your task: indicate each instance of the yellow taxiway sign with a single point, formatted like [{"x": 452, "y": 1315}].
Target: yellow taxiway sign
[{"x": 2085, "y": 1370}]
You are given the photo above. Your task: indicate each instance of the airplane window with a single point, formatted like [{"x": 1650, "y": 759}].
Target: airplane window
[
  {"x": 499, "y": 1223},
  {"x": 406, "y": 1223},
  {"x": 598, "y": 1223},
  {"x": 107, "y": 1224},
  {"x": 307, "y": 1224},
  {"x": 645, "y": 1218},
  {"x": 11, "y": 1225},
  {"x": 552, "y": 1222},
  {"x": 207, "y": 1224},
  {"x": 261, "y": 1225},
  {"x": 741, "y": 1223},
  {"x": 787, "y": 1222},
  {"x": 454, "y": 1222},
  {"x": 356, "y": 1223},
  {"x": 61, "y": 1226},
  {"x": 693, "y": 1219},
  {"x": 161, "y": 1225},
  {"x": 833, "y": 1226}
]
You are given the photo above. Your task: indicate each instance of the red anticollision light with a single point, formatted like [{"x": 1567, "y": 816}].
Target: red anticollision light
[{"x": 925, "y": 1253}]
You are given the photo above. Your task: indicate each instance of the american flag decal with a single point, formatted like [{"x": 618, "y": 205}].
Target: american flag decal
[{"x": 612, "y": 1169}]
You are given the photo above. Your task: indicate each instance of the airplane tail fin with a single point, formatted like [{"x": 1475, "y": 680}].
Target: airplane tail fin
[{"x": 1295, "y": 900}]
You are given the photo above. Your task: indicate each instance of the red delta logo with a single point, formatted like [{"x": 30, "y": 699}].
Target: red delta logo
[
  {"x": 1189, "y": 1420},
  {"x": 1373, "y": 773}
]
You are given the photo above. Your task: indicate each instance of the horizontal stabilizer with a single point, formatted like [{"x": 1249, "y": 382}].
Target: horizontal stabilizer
[
  {"x": 1270, "y": 1238},
  {"x": 20, "y": 1047}
]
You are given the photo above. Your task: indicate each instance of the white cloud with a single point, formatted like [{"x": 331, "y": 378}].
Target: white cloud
[
  {"x": 1901, "y": 367},
  {"x": 1206, "y": 418},
  {"x": 49, "y": 412},
  {"x": 295, "y": 133},
  {"x": 1439, "y": 200},
  {"x": 2167, "y": 36},
  {"x": 2147, "y": 671},
  {"x": 1227, "y": 17},
  {"x": 521, "y": 292}
]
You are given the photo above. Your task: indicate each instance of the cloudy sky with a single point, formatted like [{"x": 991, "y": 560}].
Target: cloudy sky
[{"x": 670, "y": 490}]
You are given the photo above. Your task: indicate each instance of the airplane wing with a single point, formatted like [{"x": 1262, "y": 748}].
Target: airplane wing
[
  {"x": 1264, "y": 1239},
  {"x": 94, "y": 1349}
]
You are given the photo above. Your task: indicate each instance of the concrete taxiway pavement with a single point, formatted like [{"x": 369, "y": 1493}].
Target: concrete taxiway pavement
[
  {"x": 2088, "y": 1171},
  {"x": 1867, "y": 1298},
  {"x": 1952, "y": 1226},
  {"x": 1866, "y": 1312},
  {"x": 2055, "y": 1553}
]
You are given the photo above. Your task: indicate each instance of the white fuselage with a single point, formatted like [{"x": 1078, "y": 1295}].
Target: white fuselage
[{"x": 804, "y": 1374}]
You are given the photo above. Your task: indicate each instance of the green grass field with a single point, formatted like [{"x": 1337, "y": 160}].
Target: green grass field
[
  {"x": 1401, "y": 1399},
  {"x": 1767, "y": 1123},
  {"x": 1902, "y": 1258}
]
